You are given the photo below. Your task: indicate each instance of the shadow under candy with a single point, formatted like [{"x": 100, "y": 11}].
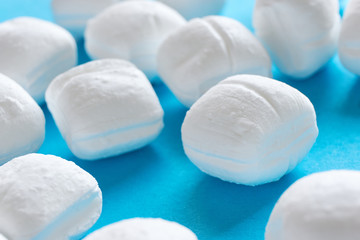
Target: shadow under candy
[
  {"x": 82, "y": 55},
  {"x": 351, "y": 106},
  {"x": 217, "y": 206},
  {"x": 326, "y": 89},
  {"x": 174, "y": 114}
]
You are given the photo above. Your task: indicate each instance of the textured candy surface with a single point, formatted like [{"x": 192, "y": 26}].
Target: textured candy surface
[
  {"x": 22, "y": 122},
  {"x": 33, "y": 52},
  {"x": 206, "y": 51},
  {"x": 144, "y": 229},
  {"x": 132, "y": 30},
  {"x": 323, "y": 205},
  {"x": 249, "y": 129},
  {"x": 46, "y": 197},
  {"x": 196, "y": 8},
  {"x": 300, "y": 35},
  {"x": 104, "y": 108}
]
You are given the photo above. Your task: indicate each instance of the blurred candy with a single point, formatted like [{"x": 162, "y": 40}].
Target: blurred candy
[
  {"x": 33, "y": 52},
  {"x": 74, "y": 14},
  {"x": 349, "y": 42},
  {"x": 132, "y": 30},
  {"x": 196, "y": 8},
  {"x": 343, "y": 4},
  {"x": 300, "y": 35},
  {"x": 323, "y": 205}
]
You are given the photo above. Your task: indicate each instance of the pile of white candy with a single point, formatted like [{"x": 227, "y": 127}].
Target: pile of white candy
[
  {"x": 143, "y": 228},
  {"x": 242, "y": 126}
]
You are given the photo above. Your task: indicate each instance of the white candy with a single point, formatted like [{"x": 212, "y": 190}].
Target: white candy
[
  {"x": 46, "y": 197},
  {"x": 204, "y": 52},
  {"x": 249, "y": 129},
  {"x": 22, "y": 122},
  {"x": 144, "y": 229},
  {"x": 320, "y": 206},
  {"x": 300, "y": 35},
  {"x": 104, "y": 108},
  {"x": 349, "y": 42},
  {"x": 74, "y": 14},
  {"x": 196, "y": 8},
  {"x": 132, "y": 30},
  {"x": 33, "y": 52}
]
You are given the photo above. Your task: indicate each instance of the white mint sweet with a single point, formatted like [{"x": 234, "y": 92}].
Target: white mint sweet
[
  {"x": 46, "y": 197},
  {"x": 132, "y": 30},
  {"x": 144, "y": 229},
  {"x": 249, "y": 129},
  {"x": 104, "y": 108},
  {"x": 196, "y": 8},
  {"x": 300, "y": 35},
  {"x": 22, "y": 122},
  {"x": 349, "y": 42},
  {"x": 323, "y": 205},
  {"x": 33, "y": 52},
  {"x": 206, "y": 51}
]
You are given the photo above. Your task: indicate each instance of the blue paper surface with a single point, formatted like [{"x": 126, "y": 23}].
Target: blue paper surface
[{"x": 159, "y": 180}]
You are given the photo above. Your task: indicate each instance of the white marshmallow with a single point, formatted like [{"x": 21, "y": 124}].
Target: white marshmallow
[
  {"x": 22, "y": 122},
  {"x": 132, "y": 30},
  {"x": 300, "y": 35},
  {"x": 144, "y": 229},
  {"x": 249, "y": 129},
  {"x": 104, "y": 108},
  {"x": 33, "y": 52},
  {"x": 46, "y": 197},
  {"x": 196, "y": 8},
  {"x": 349, "y": 42},
  {"x": 323, "y": 205},
  {"x": 204, "y": 52}
]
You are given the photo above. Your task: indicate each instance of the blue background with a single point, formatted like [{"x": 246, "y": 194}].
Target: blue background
[{"x": 159, "y": 180}]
